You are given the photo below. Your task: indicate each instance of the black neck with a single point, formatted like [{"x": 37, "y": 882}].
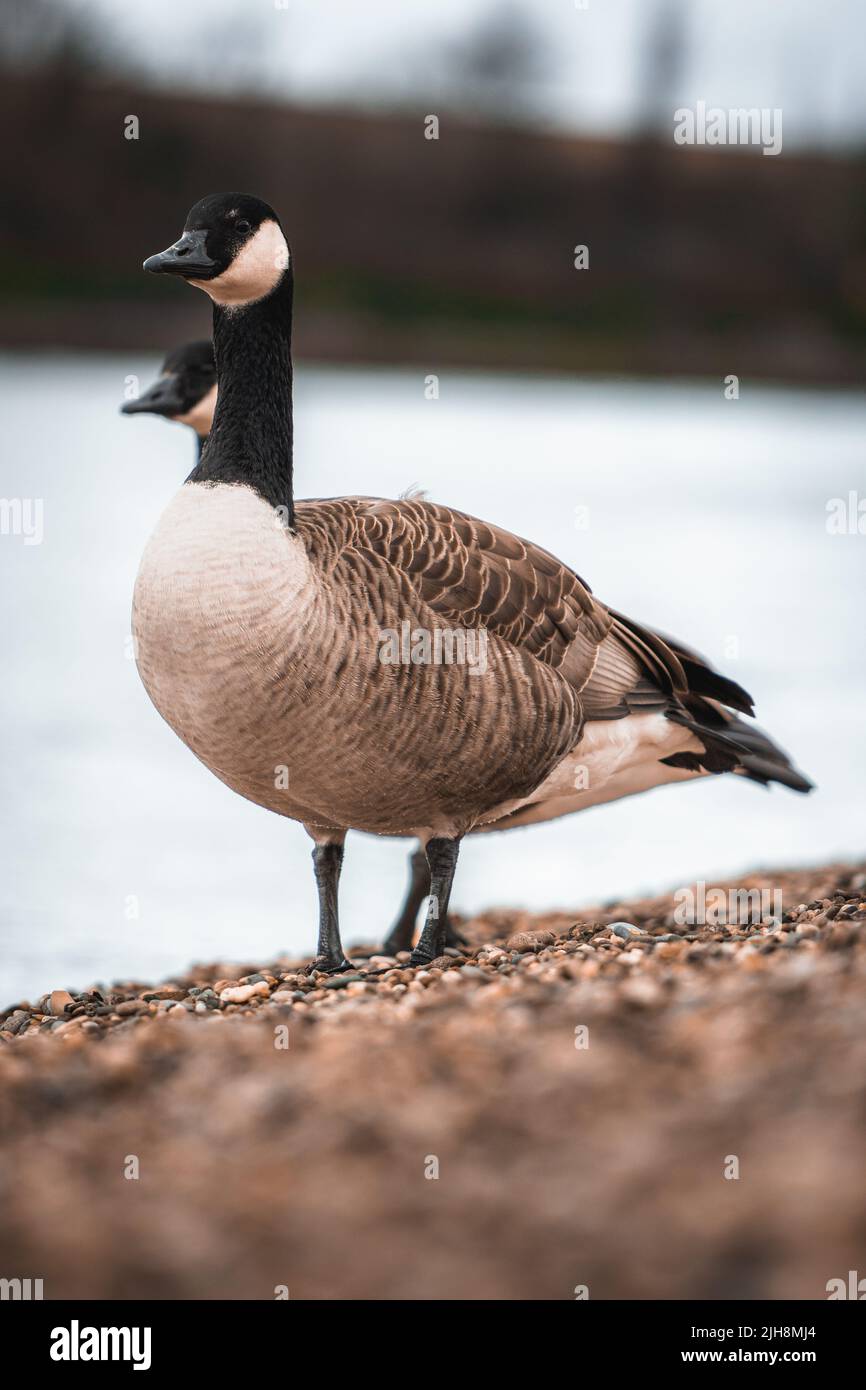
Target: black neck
[{"x": 251, "y": 436}]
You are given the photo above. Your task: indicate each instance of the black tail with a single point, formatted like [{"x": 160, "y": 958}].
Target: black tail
[
  {"x": 732, "y": 745},
  {"x": 697, "y": 697}
]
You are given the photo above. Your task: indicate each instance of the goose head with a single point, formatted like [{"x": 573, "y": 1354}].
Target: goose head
[
  {"x": 232, "y": 247},
  {"x": 184, "y": 391}
]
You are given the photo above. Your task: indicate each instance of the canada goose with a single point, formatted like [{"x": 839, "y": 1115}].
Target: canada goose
[
  {"x": 185, "y": 390},
  {"x": 265, "y": 631}
]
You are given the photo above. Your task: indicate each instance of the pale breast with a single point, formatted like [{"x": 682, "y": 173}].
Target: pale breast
[
  {"x": 270, "y": 668},
  {"x": 221, "y": 600}
]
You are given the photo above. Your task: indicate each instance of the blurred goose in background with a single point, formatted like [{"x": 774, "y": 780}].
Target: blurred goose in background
[
  {"x": 265, "y": 631},
  {"x": 185, "y": 390}
]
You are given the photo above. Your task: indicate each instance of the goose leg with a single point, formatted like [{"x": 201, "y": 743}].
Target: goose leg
[
  {"x": 327, "y": 863},
  {"x": 442, "y": 861},
  {"x": 400, "y": 936}
]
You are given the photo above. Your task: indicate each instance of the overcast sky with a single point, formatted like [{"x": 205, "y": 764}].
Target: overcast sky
[{"x": 806, "y": 57}]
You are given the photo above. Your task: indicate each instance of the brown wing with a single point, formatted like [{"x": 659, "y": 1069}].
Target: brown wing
[
  {"x": 475, "y": 574},
  {"x": 472, "y": 574}
]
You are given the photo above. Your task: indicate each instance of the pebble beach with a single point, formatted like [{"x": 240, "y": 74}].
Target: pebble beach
[{"x": 603, "y": 1103}]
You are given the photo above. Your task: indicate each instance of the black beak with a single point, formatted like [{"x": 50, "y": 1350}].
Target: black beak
[
  {"x": 162, "y": 398},
  {"x": 187, "y": 257}
]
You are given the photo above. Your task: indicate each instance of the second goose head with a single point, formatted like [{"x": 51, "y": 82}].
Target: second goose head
[{"x": 184, "y": 391}]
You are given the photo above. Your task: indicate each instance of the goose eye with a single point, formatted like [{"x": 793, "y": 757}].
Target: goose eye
[{"x": 243, "y": 226}]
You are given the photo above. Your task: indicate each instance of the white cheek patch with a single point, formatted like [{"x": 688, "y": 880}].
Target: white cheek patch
[
  {"x": 255, "y": 270},
  {"x": 200, "y": 418}
]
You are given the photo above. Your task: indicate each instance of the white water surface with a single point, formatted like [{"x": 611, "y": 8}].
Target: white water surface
[{"x": 706, "y": 518}]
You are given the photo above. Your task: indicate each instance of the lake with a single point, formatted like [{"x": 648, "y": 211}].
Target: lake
[{"x": 703, "y": 516}]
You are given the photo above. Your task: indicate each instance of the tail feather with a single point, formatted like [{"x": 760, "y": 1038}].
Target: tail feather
[
  {"x": 764, "y": 761},
  {"x": 732, "y": 745},
  {"x": 677, "y": 680},
  {"x": 704, "y": 680}
]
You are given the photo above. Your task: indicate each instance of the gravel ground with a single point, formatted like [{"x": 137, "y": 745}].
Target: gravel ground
[{"x": 555, "y": 1106}]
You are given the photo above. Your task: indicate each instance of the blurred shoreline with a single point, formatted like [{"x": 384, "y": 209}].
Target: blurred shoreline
[{"x": 702, "y": 261}]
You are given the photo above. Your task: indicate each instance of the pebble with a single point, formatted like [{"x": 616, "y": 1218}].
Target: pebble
[
  {"x": 529, "y": 941},
  {"x": 642, "y": 991},
  {"x": 626, "y": 930},
  {"x": 670, "y": 949},
  {"x": 17, "y": 1021},
  {"x": 58, "y": 1001},
  {"x": 240, "y": 994}
]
